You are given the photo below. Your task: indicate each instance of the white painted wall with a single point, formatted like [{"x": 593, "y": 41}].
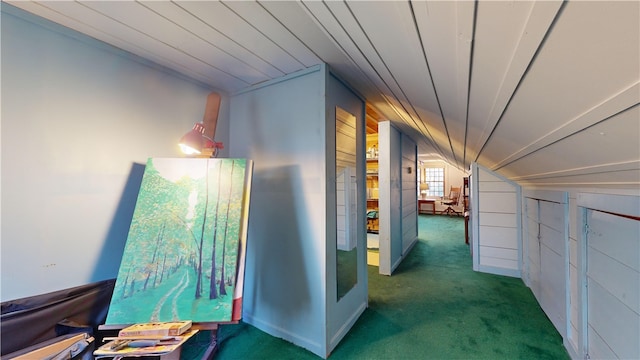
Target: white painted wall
[
  {"x": 79, "y": 120},
  {"x": 280, "y": 126}
]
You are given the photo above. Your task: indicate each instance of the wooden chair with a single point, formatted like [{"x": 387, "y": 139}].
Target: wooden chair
[{"x": 451, "y": 201}]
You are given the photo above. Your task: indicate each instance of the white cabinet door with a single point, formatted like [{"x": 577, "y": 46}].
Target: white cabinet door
[
  {"x": 548, "y": 255},
  {"x": 613, "y": 286}
]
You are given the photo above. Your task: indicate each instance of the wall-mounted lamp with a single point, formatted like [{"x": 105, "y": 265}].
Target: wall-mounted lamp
[
  {"x": 199, "y": 141},
  {"x": 423, "y": 190},
  {"x": 195, "y": 142}
]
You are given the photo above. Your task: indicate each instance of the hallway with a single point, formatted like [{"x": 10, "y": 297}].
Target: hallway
[{"x": 433, "y": 307}]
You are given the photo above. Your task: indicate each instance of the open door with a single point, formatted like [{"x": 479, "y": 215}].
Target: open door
[{"x": 397, "y": 178}]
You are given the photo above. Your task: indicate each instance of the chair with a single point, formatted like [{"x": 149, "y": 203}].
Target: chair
[{"x": 451, "y": 201}]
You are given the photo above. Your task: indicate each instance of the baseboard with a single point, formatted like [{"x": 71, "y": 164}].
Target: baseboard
[
  {"x": 498, "y": 271},
  {"x": 344, "y": 329},
  {"x": 281, "y": 333}
]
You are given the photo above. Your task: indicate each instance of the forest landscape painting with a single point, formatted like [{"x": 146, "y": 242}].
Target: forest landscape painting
[{"x": 186, "y": 243}]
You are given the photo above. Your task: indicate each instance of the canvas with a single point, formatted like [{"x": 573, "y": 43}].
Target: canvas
[{"x": 184, "y": 255}]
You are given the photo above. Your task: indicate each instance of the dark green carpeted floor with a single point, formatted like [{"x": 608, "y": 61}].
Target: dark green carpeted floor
[{"x": 433, "y": 307}]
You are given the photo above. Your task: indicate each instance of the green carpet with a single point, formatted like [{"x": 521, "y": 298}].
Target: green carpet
[{"x": 434, "y": 306}]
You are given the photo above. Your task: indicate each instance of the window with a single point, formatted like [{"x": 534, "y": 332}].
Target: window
[{"x": 435, "y": 178}]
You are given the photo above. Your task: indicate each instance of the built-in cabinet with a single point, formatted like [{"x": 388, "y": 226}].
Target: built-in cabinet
[
  {"x": 583, "y": 267},
  {"x": 306, "y": 272}
]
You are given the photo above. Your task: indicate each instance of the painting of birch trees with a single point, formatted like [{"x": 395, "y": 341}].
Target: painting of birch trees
[{"x": 180, "y": 260}]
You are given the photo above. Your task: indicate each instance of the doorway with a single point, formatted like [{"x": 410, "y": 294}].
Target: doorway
[{"x": 373, "y": 197}]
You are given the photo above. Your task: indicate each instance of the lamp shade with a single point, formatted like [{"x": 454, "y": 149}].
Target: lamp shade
[
  {"x": 199, "y": 141},
  {"x": 424, "y": 186},
  {"x": 193, "y": 141}
]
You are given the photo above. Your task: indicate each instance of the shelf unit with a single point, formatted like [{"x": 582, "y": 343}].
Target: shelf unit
[{"x": 373, "y": 221}]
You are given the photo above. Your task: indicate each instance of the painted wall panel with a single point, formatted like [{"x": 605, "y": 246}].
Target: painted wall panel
[
  {"x": 603, "y": 230},
  {"x": 535, "y": 280},
  {"x": 608, "y": 261},
  {"x": 409, "y": 231},
  {"x": 409, "y": 199},
  {"x": 390, "y": 235},
  {"x": 575, "y": 296},
  {"x": 533, "y": 251},
  {"x": 548, "y": 255},
  {"x": 398, "y": 200},
  {"x": 497, "y": 262},
  {"x": 498, "y": 202},
  {"x": 613, "y": 256},
  {"x": 573, "y": 335},
  {"x": 498, "y": 219},
  {"x": 290, "y": 176},
  {"x": 615, "y": 278},
  {"x": 495, "y": 201},
  {"x": 499, "y": 237},
  {"x": 409, "y": 189},
  {"x": 487, "y": 176},
  {"x": 495, "y": 185},
  {"x": 552, "y": 239},
  {"x": 532, "y": 208},
  {"x": 552, "y": 287},
  {"x": 295, "y": 246},
  {"x": 408, "y": 209},
  {"x": 615, "y": 323},
  {"x": 502, "y": 253},
  {"x": 530, "y": 251},
  {"x": 573, "y": 252},
  {"x": 550, "y": 218},
  {"x": 396, "y": 195},
  {"x": 598, "y": 348},
  {"x": 574, "y": 310}
]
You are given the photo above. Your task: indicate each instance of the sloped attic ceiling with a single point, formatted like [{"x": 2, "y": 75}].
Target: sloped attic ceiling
[{"x": 543, "y": 92}]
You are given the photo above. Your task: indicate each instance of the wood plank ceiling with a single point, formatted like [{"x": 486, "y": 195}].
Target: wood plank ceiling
[{"x": 544, "y": 92}]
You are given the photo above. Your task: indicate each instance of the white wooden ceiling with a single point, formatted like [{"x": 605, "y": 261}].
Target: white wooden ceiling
[{"x": 543, "y": 92}]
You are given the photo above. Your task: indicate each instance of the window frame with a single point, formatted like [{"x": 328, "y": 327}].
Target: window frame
[{"x": 427, "y": 176}]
